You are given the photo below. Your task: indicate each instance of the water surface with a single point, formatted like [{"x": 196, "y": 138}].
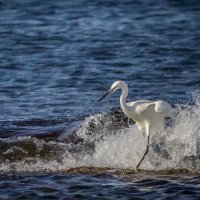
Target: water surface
[{"x": 57, "y": 58}]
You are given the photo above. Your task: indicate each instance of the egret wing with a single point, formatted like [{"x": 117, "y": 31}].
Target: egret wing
[
  {"x": 139, "y": 102},
  {"x": 163, "y": 107},
  {"x": 144, "y": 107}
]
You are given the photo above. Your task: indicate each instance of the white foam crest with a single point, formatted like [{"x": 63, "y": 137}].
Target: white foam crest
[
  {"x": 120, "y": 150},
  {"x": 174, "y": 147},
  {"x": 86, "y": 125},
  {"x": 94, "y": 127}
]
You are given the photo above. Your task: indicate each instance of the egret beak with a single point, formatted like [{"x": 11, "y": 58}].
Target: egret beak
[{"x": 106, "y": 94}]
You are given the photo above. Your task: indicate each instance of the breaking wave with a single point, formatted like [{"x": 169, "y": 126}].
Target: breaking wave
[{"x": 107, "y": 140}]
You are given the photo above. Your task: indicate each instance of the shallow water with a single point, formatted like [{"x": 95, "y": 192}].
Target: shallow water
[{"x": 57, "y": 58}]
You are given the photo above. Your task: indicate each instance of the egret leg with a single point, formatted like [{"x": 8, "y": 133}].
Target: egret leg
[
  {"x": 147, "y": 149},
  {"x": 128, "y": 123}
]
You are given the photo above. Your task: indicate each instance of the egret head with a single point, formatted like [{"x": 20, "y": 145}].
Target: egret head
[{"x": 115, "y": 86}]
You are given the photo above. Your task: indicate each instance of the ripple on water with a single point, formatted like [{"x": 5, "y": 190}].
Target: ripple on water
[
  {"x": 89, "y": 186},
  {"x": 56, "y": 60}
]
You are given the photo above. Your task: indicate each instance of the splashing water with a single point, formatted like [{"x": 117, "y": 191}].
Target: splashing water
[
  {"x": 177, "y": 146},
  {"x": 104, "y": 141}
]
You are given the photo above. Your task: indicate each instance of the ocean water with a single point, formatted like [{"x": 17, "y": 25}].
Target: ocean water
[{"x": 57, "y": 58}]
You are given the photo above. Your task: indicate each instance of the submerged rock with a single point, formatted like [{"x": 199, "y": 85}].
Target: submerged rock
[
  {"x": 29, "y": 149},
  {"x": 127, "y": 172},
  {"x": 16, "y": 150}
]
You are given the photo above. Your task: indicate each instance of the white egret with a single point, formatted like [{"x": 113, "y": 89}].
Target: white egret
[{"x": 148, "y": 115}]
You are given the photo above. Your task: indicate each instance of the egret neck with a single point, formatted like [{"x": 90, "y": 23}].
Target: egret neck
[{"x": 123, "y": 96}]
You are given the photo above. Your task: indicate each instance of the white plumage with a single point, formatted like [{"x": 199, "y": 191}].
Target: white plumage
[{"x": 147, "y": 114}]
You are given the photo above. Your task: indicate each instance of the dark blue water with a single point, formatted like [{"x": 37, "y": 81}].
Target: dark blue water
[
  {"x": 62, "y": 186},
  {"x": 58, "y": 57}
]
